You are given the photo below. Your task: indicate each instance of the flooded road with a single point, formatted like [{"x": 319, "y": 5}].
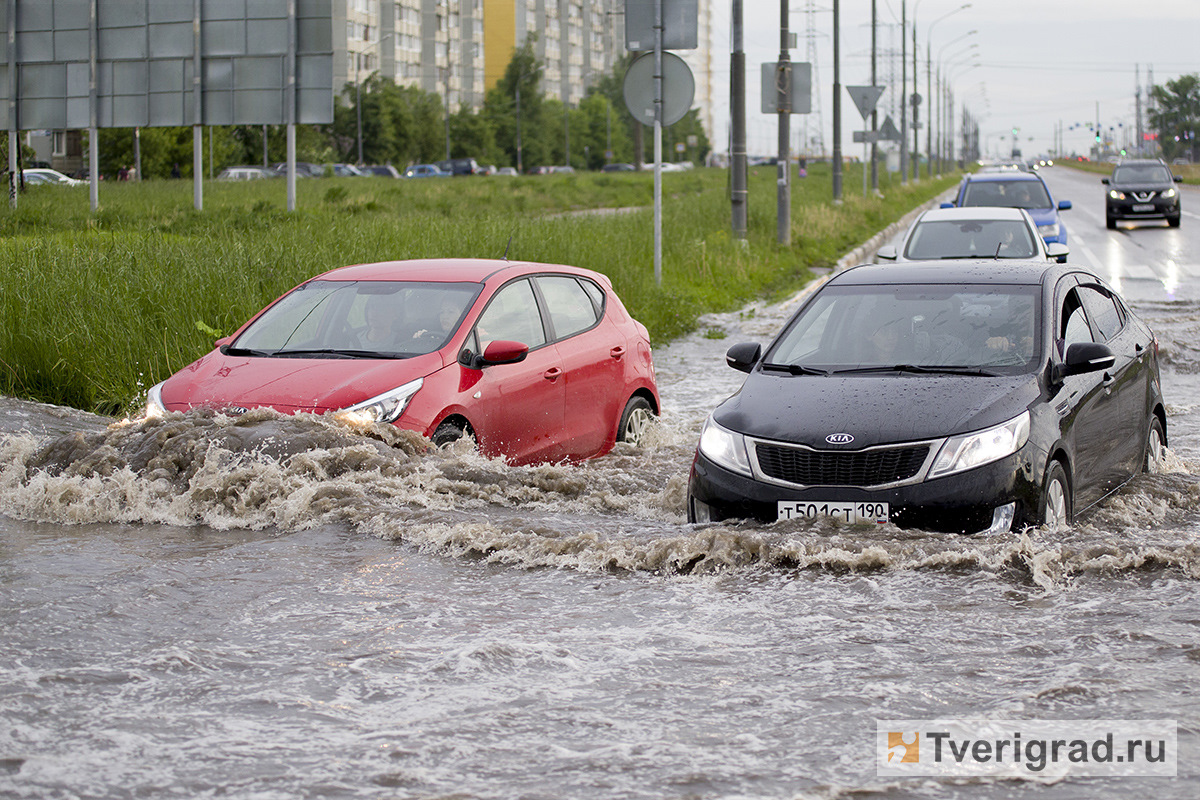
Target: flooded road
[{"x": 270, "y": 607}]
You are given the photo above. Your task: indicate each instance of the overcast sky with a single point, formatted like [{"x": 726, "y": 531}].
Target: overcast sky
[{"x": 1041, "y": 63}]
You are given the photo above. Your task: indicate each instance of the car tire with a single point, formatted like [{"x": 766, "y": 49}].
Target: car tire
[
  {"x": 1055, "y": 511},
  {"x": 637, "y": 415},
  {"x": 1155, "y": 444},
  {"x": 1175, "y": 220},
  {"x": 1111, "y": 222},
  {"x": 449, "y": 432}
]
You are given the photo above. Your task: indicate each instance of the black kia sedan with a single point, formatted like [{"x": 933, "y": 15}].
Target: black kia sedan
[{"x": 950, "y": 396}]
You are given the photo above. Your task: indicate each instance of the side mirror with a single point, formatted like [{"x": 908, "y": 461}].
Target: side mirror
[
  {"x": 502, "y": 352},
  {"x": 1064, "y": 205},
  {"x": 1058, "y": 251},
  {"x": 946, "y": 205},
  {"x": 224, "y": 340},
  {"x": 744, "y": 356},
  {"x": 1084, "y": 357},
  {"x": 887, "y": 253},
  {"x": 1177, "y": 178},
  {"x": 1104, "y": 181}
]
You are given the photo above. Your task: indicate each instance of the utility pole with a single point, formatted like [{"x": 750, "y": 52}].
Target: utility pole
[
  {"x": 737, "y": 109},
  {"x": 903, "y": 92},
  {"x": 837, "y": 106},
  {"x": 783, "y": 88},
  {"x": 874, "y": 112}
]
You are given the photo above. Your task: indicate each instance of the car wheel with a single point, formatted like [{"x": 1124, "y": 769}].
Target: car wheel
[
  {"x": 1175, "y": 220},
  {"x": 637, "y": 416},
  {"x": 1155, "y": 445},
  {"x": 1056, "y": 498},
  {"x": 1111, "y": 222},
  {"x": 450, "y": 432}
]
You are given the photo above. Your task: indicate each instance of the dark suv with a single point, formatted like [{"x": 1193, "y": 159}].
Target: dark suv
[
  {"x": 1143, "y": 189},
  {"x": 460, "y": 166}
]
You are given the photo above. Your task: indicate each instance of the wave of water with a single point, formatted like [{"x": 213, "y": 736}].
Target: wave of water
[{"x": 622, "y": 512}]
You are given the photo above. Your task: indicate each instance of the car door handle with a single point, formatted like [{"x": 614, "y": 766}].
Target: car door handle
[
  {"x": 552, "y": 374},
  {"x": 617, "y": 351}
]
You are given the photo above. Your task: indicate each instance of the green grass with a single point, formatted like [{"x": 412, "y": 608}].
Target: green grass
[{"x": 98, "y": 307}]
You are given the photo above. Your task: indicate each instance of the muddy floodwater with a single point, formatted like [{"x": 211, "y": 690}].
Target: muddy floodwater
[{"x": 271, "y": 607}]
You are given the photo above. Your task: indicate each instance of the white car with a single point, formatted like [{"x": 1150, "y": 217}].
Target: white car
[
  {"x": 40, "y": 175},
  {"x": 245, "y": 174},
  {"x": 973, "y": 232}
]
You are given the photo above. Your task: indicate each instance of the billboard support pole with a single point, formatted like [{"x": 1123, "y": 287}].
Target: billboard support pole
[
  {"x": 658, "y": 117},
  {"x": 291, "y": 106},
  {"x": 197, "y": 114},
  {"x": 93, "y": 121},
  {"x": 13, "y": 145}
]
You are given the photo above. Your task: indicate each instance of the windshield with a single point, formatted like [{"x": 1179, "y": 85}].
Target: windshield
[
  {"x": 971, "y": 239},
  {"x": 368, "y": 319},
  {"x": 992, "y": 328},
  {"x": 1142, "y": 173},
  {"x": 1007, "y": 194}
]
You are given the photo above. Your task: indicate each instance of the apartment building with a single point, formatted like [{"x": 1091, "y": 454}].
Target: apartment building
[{"x": 435, "y": 45}]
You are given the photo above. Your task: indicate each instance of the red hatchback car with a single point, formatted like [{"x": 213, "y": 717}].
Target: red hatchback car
[{"x": 537, "y": 362}]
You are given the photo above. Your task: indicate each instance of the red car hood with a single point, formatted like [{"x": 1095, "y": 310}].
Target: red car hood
[{"x": 289, "y": 385}]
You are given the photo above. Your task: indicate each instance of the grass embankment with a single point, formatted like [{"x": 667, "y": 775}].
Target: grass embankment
[{"x": 96, "y": 308}]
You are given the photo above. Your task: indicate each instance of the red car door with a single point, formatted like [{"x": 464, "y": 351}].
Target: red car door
[
  {"x": 518, "y": 408},
  {"x": 593, "y": 354}
]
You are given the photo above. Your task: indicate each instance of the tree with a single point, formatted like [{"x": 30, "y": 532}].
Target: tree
[
  {"x": 500, "y": 106},
  {"x": 400, "y": 124},
  {"x": 1177, "y": 117}
]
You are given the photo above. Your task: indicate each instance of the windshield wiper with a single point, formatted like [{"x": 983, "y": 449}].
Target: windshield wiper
[
  {"x": 796, "y": 369},
  {"x": 245, "y": 351},
  {"x": 976, "y": 371},
  {"x": 331, "y": 351}
]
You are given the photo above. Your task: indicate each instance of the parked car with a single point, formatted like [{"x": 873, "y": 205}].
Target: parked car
[
  {"x": 45, "y": 175},
  {"x": 460, "y": 166},
  {"x": 1142, "y": 189},
  {"x": 380, "y": 171},
  {"x": 245, "y": 174},
  {"x": 1016, "y": 190},
  {"x": 536, "y": 362},
  {"x": 344, "y": 171},
  {"x": 507, "y": 171},
  {"x": 426, "y": 171},
  {"x": 951, "y": 396},
  {"x": 993, "y": 233},
  {"x": 617, "y": 168},
  {"x": 304, "y": 169}
]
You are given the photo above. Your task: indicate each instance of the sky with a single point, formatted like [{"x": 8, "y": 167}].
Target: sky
[{"x": 1042, "y": 64}]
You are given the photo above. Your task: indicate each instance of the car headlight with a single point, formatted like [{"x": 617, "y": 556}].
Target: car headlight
[
  {"x": 154, "y": 403},
  {"x": 724, "y": 447},
  {"x": 1170, "y": 192},
  {"x": 386, "y": 407},
  {"x": 1050, "y": 229},
  {"x": 971, "y": 450},
  {"x": 1115, "y": 195}
]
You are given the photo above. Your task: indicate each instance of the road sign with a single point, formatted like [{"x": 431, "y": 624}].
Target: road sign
[
  {"x": 888, "y": 132},
  {"x": 679, "y": 20},
  {"x": 801, "y": 88},
  {"x": 867, "y": 136},
  {"x": 678, "y": 88},
  {"x": 865, "y": 98}
]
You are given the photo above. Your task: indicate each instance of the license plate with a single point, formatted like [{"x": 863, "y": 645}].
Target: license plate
[
  {"x": 846, "y": 512},
  {"x": 1144, "y": 207}
]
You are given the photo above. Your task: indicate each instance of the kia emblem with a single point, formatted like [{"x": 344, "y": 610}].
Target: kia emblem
[{"x": 839, "y": 438}]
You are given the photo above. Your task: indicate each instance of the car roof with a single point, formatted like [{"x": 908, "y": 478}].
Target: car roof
[
  {"x": 953, "y": 272},
  {"x": 972, "y": 213},
  {"x": 1004, "y": 176},
  {"x": 449, "y": 270}
]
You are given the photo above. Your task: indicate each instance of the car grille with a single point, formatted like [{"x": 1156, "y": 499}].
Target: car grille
[{"x": 827, "y": 468}]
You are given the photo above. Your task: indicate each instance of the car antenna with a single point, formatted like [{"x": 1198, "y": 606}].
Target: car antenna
[{"x": 505, "y": 256}]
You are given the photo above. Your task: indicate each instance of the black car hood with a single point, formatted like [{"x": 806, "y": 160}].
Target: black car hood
[{"x": 874, "y": 409}]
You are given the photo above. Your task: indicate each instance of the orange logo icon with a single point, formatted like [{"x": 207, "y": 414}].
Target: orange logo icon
[{"x": 904, "y": 748}]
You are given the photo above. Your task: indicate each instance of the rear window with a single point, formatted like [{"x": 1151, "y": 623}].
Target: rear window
[{"x": 1007, "y": 194}]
